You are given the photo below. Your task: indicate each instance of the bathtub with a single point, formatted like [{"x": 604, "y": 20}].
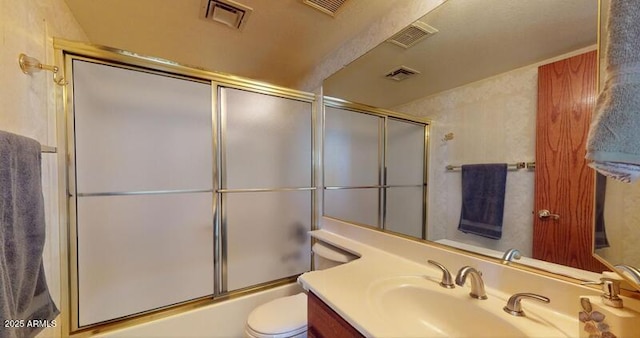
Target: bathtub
[{"x": 224, "y": 319}]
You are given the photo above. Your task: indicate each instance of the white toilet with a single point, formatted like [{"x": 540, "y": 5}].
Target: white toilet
[{"x": 286, "y": 317}]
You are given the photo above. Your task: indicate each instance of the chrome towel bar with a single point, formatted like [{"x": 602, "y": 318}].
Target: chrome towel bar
[{"x": 510, "y": 166}]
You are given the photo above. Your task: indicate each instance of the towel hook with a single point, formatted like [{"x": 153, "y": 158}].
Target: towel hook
[{"x": 30, "y": 65}]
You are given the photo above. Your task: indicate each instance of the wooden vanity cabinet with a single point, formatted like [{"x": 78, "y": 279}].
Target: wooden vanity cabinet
[{"x": 325, "y": 323}]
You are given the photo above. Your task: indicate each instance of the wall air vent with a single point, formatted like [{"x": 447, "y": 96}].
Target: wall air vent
[
  {"x": 325, "y": 6},
  {"x": 413, "y": 34},
  {"x": 226, "y": 12},
  {"x": 401, "y": 73}
]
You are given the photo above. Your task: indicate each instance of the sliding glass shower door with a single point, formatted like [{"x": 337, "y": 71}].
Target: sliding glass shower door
[
  {"x": 352, "y": 164},
  {"x": 182, "y": 189},
  {"x": 143, "y": 191},
  {"x": 374, "y": 169},
  {"x": 266, "y": 187},
  {"x": 405, "y": 177}
]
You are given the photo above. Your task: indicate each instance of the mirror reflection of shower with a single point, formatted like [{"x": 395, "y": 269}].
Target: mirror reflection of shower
[{"x": 482, "y": 103}]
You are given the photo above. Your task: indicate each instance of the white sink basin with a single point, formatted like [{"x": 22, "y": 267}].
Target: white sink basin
[{"x": 421, "y": 308}]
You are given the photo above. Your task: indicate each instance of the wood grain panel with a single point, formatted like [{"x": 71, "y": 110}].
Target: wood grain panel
[
  {"x": 325, "y": 323},
  {"x": 564, "y": 183}
]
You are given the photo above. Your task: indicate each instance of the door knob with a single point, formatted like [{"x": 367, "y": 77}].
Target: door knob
[{"x": 544, "y": 213}]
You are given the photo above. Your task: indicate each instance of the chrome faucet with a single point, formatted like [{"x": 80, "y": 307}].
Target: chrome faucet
[
  {"x": 477, "y": 285},
  {"x": 510, "y": 255},
  {"x": 514, "y": 307},
  {"x": 610, "y": 291},
  {"x": 631, "y": 270},
  {"x": 446, "y": 276}
]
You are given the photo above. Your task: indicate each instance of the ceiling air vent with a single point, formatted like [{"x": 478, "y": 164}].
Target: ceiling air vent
[
  {"x": 401, "y": 73},
  {"x": 413, "y": 34},
  {"x": 226, "y": 12},
  {"x": 325, "y": 6}
]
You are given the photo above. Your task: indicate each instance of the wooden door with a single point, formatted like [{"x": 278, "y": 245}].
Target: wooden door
[{"x": 564, "y": 185}]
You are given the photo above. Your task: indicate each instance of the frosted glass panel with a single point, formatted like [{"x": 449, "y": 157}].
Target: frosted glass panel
[
  {"x": 405, "y": 153},
  {"x": 353, "y": 205},
  {"x": 404, "y": 210},
  {"x": 267, "y": 236},
  {"x": 137, "y": 131},
  {"x": 351, "y": 156},
  {"x": 137, "y": 253},
  {"x": 267, "y": 140}
]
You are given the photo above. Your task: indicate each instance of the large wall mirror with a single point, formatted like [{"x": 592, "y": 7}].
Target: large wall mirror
[
  {"x": 477, "y": 76},
  {"x": 620, "y": 213}
]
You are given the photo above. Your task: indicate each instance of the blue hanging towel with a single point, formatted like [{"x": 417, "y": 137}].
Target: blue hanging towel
[
  {"x": 24, "y": 294},
  {"x": 483, "y": 190}
]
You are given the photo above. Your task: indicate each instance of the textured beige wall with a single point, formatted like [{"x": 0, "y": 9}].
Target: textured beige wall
[
  {"x": 622, "y": 217},
  {"x": 406, "y": 12},
  {"x": 28, "y": 103},
  {"x": 493, "y": 121}
]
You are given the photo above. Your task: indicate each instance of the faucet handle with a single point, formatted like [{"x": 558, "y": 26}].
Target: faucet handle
[
  {"x": 610, "y": 292},
  {"x": 447, "y": 281},
  {"x": 515, "y": 308}
]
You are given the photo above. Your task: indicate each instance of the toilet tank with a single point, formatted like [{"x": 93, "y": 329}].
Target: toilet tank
[{"x": 327, "y": 256}]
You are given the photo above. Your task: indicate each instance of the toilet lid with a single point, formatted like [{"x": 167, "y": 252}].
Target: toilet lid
[
  {"x": 332, "y": 253},
  {"x": 279, "y": 316}
]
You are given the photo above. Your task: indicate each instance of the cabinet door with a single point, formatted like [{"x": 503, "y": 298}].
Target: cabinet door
[{"x": 324, "y": 322}]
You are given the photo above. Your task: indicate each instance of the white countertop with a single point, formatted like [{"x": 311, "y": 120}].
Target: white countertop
[
  {"x": 568, "y": 271},
  {"x": 347, "y": 289}
]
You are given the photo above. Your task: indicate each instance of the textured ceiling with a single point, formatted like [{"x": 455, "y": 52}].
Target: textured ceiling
[
  {"x": 284, "y": 40},
  {"x": 476, "y": 39},
  {"x": 281, "y": 43}
]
